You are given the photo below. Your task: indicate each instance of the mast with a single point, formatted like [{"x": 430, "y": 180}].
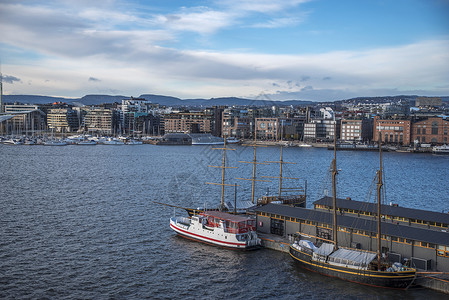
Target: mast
[
  {"x": 223, "y": 167},
  {"x": 281, "y": 162},
  {"x": 334, "y": 190},
  {"x": 379, "y": 196},
  {"x": 254, "y": 162}
]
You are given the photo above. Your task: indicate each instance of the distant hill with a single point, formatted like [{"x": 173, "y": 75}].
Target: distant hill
[
  {"x": 225, "y": 101},
  {"x": 34, "y": 99},
  {"x": 173, "y": 101}
]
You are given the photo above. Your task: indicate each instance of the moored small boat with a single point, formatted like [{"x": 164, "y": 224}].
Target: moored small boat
[
  {"x": 443, "y": 149},
  {"x": 218, "y": 228},
  {"x": 55, "y": 143}
]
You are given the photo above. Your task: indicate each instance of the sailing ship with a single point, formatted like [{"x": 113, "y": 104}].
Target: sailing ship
[
  {"x": 217, "y": 227},
  {"x": 364, "y": 267}
]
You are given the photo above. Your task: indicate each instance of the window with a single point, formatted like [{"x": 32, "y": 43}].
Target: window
[
  {"x": 418, "y": 131},
  {"x": 434, "y": 127}
]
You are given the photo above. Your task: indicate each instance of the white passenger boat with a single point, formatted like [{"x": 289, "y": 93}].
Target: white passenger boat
[
  {"x": 444, "y": 149},
  {"x": 218, "y": 228}
]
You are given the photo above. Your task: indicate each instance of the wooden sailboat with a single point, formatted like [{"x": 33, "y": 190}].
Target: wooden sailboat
[
  {"x": 364, "y": 267},
  {"x": 218, "y": 227}
]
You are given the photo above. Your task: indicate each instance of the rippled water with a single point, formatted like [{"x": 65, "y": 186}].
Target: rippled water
[{"x": 79, "y": 222}]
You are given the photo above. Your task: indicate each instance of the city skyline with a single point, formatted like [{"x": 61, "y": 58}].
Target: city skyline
[{"x": 298, "y": 49}]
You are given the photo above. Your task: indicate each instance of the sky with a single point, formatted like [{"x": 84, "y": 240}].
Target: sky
[{"x": 319, "y": 50}]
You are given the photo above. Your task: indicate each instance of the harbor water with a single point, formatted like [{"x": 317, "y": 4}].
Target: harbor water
[{"x": 79, "y": 222}]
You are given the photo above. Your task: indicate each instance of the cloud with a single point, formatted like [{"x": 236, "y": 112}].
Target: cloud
[
  {"x": 307, "y": 88},
  {"x": 202, "y": 20},
  {"x": 260, "y": 6},
  {"x": 129, "y": 49},
  {"x": 93, "y": 79},
  {"x": 10, "y": 79},
  {"x": 277, "y": 23}
]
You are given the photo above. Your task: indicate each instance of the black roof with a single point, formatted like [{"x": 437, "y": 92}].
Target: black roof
[
  {"x": 391, "y": 229},
  {"x": 397, "y": 211}
]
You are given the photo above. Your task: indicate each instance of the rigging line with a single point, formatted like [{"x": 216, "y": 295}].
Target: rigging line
[
  {"x": 326, "y": 181},
  {"x": 365, "y": 204}
]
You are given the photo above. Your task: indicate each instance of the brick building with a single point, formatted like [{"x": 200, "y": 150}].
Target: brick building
[
  {"x": 431, "y": 130},
  {"x": 188, "y": 122},
  {"x": 392, "y": 131}
]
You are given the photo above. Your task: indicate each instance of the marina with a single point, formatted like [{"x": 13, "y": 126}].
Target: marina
[{"x": 107, "y": 237}]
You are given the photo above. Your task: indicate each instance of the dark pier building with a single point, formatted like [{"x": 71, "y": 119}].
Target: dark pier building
[{"x": 407, "y": 234}]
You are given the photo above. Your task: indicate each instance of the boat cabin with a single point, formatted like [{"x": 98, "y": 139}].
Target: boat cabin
[{"x": 232, "y": 223}]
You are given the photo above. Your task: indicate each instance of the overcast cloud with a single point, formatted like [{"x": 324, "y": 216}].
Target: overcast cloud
[{"x": 137, "y": 51}]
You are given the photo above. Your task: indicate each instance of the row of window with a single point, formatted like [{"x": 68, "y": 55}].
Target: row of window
[{"x": 394, "y": 218}]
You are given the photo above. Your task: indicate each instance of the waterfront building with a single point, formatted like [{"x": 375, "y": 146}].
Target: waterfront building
[
  {"x": 236, "y": 122},
  {"x": 62, "y": 120},
  {"x": 392, "y": 131},
  {"x": 23, "y": 122},
  {"x": 267, "y": 128},
  {"x": 217, "y": 119},
  {"x": 129, "y": 108},
  {"x": 356, "y": 130},
  {"x": 321, "y": 130},
  {"x": 145, "y": 124},
  {"x": 101, "y": 120},
  {"x": 188, "y": 122},
  {"x": 432, "y": 130},
  {"x": 292, "y": 128},
  {"x": 425, "y": 248}
]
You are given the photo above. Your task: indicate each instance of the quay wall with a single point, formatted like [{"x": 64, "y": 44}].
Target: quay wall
[{"x": 438, "y": 283}]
